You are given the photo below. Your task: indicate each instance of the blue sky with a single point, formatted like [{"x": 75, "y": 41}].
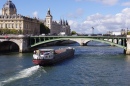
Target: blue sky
[{"x": 103, "y": 15}]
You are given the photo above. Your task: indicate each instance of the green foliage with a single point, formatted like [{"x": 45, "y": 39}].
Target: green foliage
[
  {"x": 10, "y": 31},
  {"x": 73, "y": 33},
  {"x": 128, "y": 33},
  {"x": 44, "y": 29}
]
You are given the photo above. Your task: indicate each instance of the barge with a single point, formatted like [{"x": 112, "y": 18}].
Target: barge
[{"x": 44, "y": 57}]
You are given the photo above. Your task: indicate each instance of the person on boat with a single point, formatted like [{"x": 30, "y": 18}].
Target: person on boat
[{"x": 34, "y": 52}]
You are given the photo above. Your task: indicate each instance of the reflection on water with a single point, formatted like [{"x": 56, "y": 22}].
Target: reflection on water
[{"x": 127, "y": 58}]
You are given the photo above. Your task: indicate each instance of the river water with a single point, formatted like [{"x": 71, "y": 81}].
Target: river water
[{"x": 91, "y": 66}]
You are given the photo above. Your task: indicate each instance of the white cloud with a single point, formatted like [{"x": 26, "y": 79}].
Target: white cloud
[
  {"x": 35, "y": 14},
  {"x": 108, "y": 2},
  {"x": 103, "y": 23},
  {"x": 126, "y": 4},
  {"x": 78, "y": 13},
  {"x": 0, "y": 12}
]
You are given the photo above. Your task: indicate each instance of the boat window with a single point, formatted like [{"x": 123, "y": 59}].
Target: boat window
[{"x": 42, "y": 52}]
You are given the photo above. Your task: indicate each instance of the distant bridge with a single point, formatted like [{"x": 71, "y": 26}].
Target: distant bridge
[{"x": 112, "y": 40}]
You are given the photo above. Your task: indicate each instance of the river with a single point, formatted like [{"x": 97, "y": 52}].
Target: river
[{"x": 91, "y": 66}]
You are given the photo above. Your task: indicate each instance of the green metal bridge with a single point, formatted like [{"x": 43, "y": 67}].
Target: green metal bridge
[{"x": 112, "y": 40}]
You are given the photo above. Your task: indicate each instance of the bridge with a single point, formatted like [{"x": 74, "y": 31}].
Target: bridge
[
  {"x": 112, "y": 40},
  {"x": 24, "y": 43},
  {"x": 14, "y": 42},
  {"x": 116, "y": 41}
]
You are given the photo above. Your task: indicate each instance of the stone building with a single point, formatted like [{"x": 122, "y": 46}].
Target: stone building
[
  {"x": 55, "y": 27},
  {"x": 11, "y": 20},
  {"x": 123, "y": 32}
]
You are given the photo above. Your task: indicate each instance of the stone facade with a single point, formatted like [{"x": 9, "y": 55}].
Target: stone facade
[
  {"x": 11, "y": 20},
  {"x": 55, "y": 27}
]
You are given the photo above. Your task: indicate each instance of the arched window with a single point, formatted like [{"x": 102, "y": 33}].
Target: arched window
[
  {"x": 12, "y": 25},
  {"x": 8, "y": 25},
  {"x": 16, "y": 25},
  {"x": 5, "y": 25}
]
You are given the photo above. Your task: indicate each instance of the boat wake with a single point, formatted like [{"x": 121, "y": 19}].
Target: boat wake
[{"x": 22, "y": 74}]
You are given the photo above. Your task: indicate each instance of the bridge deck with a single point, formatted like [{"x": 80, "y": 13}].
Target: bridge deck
[{"x": 45, "y": 39}]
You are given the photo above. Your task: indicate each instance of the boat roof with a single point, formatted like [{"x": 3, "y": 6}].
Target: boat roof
[{"x": 45, "y": 49}]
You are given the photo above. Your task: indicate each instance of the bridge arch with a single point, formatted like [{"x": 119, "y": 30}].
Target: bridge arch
[
  {"x": 82, "y": 40},
  {"x": 8, "y": 46}
]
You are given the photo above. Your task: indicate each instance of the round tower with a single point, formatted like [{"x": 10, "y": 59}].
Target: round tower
[{"x": 9, "y": 8}]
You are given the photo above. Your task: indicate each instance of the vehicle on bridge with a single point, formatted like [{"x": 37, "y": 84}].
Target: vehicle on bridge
[
  {"x": 44, "y": 57},
  {"x": 62, "y": 34}
]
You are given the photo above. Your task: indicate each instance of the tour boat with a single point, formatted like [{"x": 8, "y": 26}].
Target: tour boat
[{"x": 44, "y": 57}]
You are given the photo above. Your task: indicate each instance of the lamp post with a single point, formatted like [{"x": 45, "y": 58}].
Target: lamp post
[
  {"x": 127, "y": 31},
  {"x": 92, "y": 30}
]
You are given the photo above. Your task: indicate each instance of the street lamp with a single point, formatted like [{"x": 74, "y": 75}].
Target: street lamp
[{"x": 92, "y": 30}]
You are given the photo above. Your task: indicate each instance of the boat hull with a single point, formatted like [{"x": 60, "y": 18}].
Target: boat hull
[
  {"x": 42, "y": 62},
  {"x": 57, "y": 58}
]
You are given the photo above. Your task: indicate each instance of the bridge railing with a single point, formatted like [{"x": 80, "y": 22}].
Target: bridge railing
[{"x": 121, "y": 41}]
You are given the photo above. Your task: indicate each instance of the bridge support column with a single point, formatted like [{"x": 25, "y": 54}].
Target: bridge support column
[
  {"x": 82, "y": 44},
  {"x": 23, "y": 47},
  {"x": 127, "y": 51}
]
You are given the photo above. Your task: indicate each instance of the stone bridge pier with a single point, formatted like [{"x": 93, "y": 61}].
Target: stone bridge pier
[
  {"x": 23, "y": 45},
  {"x": 127, "y": 51}
]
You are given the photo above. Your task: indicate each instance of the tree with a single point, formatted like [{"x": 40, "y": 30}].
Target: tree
[
  {"x": 9, "y": 31},
  {"x": 73, "y": 33},
  {"x": 128, "y": 33},
  {"x": 44, "y": 29}
]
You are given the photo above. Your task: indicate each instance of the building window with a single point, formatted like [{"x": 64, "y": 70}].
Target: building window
[
  {"x": 8, "y": 25},
  {"x": 12, "y": 25},
  {"x": 1, "y": 25},
  {"x": 5, "y": 25},
  {"x": 27, "y": 26},
  {"x": 16, "y": 25},
  {"x": 19, "y": 25}
]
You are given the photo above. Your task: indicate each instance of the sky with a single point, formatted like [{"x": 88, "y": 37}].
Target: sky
[{"x": 82, "y": 15}]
